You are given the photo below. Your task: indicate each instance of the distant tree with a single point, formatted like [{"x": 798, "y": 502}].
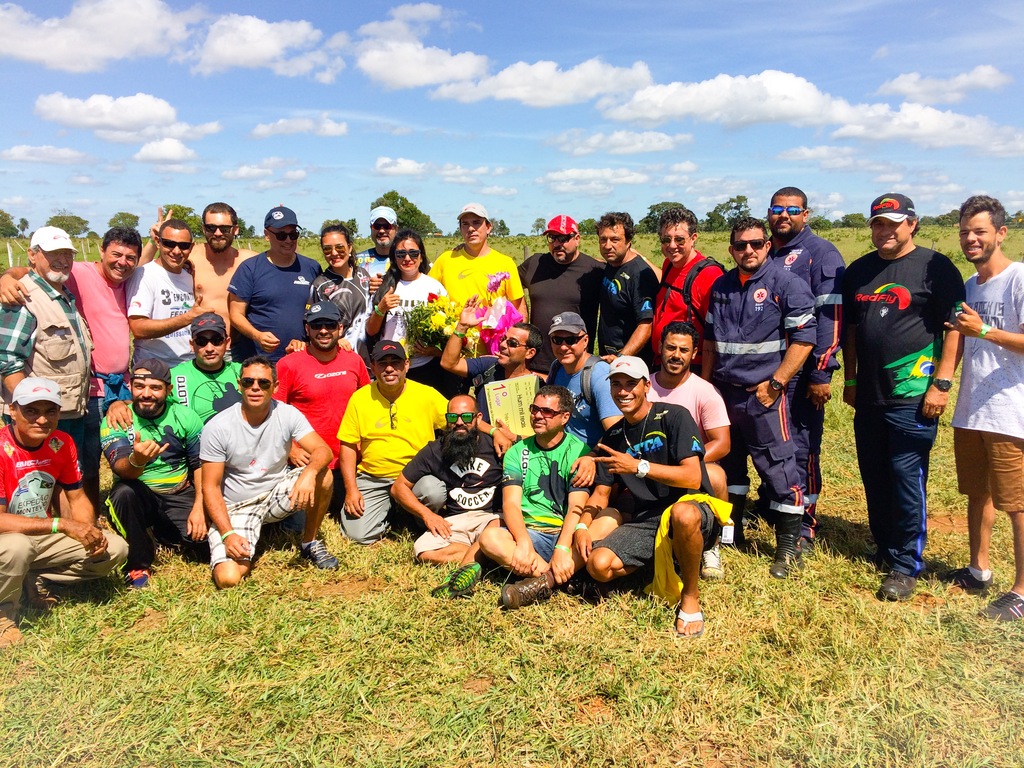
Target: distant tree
[
  {"x": 74, "y": 225},
  {"x": 408, "y": 214},
  {"x": 648, "y": 225},
  {"x": 124, "y": 219},
  {"x": 950, "y": 219},
  {"x": 7, "y": 228},
  {"x": 538, "y": 226},
  {"x": 721, "y": 217},
  {"x": 852, "y": 220},
  {"x": 22, "y": 226},
  {"x": 245, "y": 230},
  {"x": 1016, "y": 221},
  {"x": 499, "y": 228},
  {"x": 186, "y": 214},
  {"x": 820, "y": 223},
  {"x": 350, "y": 224},
  {"x": 92, "y": 235},
  {"x": 587, "y": 227}
]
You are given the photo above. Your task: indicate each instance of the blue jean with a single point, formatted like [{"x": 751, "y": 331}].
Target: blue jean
[{"x": 893, "y": 446}]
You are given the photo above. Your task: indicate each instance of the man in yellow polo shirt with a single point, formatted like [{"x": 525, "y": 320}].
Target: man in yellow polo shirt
[{"x": 386, "y": 423}]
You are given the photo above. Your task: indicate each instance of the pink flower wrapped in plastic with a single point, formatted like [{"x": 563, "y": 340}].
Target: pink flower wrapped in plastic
[{"x": 498, "y": 315}]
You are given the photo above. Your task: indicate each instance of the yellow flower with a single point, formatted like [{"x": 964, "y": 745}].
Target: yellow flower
[{"x": 437, "y": 320}]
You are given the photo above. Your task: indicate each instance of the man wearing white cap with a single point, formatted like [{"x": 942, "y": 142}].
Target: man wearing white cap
[
  {"x": 383, "y": 225},
  {"x": 467, "y": 270},
  {"x": 47, "y": 336},
  {"x": 562, "y": 279},
  {"x": 35, "y": 459}
]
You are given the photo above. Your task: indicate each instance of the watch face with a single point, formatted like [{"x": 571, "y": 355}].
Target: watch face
[{"x": 943, "y": 385}]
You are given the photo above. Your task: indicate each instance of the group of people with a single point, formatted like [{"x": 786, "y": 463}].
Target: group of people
[{"x": 229, "y": 390}]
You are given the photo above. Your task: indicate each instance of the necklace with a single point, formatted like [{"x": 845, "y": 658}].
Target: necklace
[{"x": 643, "y": 432}]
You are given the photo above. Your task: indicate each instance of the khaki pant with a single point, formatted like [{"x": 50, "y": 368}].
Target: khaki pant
[{"x": 55, "y": 556}]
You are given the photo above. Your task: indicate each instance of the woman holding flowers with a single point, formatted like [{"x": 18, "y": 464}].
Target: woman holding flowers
[{"x": 407, "y": 286}]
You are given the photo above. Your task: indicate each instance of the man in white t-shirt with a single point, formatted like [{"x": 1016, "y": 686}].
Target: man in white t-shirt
[
  {"x": 161, "y": 299},
  {"x": 676, "y": 383},
  {"x": 247, "y": 481},
  {"x": 988, "y": 423}
]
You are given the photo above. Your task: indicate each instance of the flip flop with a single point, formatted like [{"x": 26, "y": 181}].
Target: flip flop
[{"x": 688, "y": 618}]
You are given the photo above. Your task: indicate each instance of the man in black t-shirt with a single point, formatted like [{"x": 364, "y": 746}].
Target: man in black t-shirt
[
  {"x": 899, "y": 363},
  {"x": 452, "y": 487},
  {"x": 627, "y": 294}
]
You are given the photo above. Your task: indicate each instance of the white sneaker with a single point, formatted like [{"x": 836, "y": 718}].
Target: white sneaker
[{"x": 711, "y": 564}]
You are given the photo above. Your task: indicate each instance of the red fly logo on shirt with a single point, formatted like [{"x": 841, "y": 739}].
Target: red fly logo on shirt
[
  {"x": 760, "y": 295},
  {"x": 890, "y": 293}
]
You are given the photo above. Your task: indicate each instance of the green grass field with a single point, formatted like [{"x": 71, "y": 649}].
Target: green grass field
[{"x": 362, "y": 667}]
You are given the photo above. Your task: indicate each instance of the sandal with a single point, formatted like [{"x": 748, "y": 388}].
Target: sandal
[{"x": 688, "y": 618}]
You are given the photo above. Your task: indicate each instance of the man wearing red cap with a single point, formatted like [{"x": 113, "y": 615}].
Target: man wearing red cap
[{"x": 563, "y": 279}]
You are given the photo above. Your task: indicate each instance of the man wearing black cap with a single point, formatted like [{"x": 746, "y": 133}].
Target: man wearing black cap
[
  {"x": 386, "y": 423},
  {"x": 159, "y": 480},
  {"x": 208, "y": 383},
  {"x": 898, "y": 367},
  {"x": 268, "y": 292},
  {"x": 562, "y": 279}
]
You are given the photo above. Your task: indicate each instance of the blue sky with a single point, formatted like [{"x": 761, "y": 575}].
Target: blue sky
[{"x": 531, "y": 108}]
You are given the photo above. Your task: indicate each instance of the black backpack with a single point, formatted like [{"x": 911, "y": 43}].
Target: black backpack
[
  {"x": 585, "y": 385},
  {"x": 687, "y": 289}
]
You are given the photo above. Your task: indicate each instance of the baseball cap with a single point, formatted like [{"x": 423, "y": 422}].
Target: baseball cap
[
  {"x": 387, "y": 349},
  {"x": 893, "y": 207},
  {"x": 209, "y": 321},
  {"x": 280, "y": 217},
  {"x": 323, "y": 310},
  {"x": 51, "y": 239},
  {"x": 386, "y": 213},
  {"x": 567, "y": 321},
  {"x": 475, "y": 208},
  {"x": 630, "y": 366},
  {"x": 34, "y": 389},
  {"x": 562, "y": 225},
  {"x": 154, "y": 369}
]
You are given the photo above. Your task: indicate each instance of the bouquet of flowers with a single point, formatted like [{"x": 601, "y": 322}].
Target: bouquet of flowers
[
  {"x": 498, "y": 314},
  {"x": 431, "y": 324}
]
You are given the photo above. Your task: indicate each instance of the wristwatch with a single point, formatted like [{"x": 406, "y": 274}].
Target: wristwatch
[
  {"x": 775, "y": 384},
  {"x": 643, "y": 468},
  {"x": 943, "y": 385}
]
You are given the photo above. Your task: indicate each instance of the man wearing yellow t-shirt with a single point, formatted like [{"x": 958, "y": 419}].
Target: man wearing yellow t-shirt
[
  {"x": 386, "y": 423},
  {"x": 466, "y": 271}
]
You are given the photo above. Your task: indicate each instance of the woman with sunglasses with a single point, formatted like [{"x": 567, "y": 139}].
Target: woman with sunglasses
[
  {"x": 406, "y": 285},
  {"x": 345, "y": 285}
]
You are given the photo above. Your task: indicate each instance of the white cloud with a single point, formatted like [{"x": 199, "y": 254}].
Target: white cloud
[
  {"x": 321, "y": 126},
  {"x": 246, "y": 172},
  {"x": 82, "y": 180},
  {"x": 834, "y": 159},
  {"x": 296, "y": 175},
  {"x": 410, "y": 64},
  {"x": 95, "y": 33},
  {"x": 167, "y": 151},
  {"x": 497, "y": 191},
  {"x": 591, "y": 181},
  {"x": 175, "y": 169},
  {"x": 400, "y": 166},
  {"x": 918, "y": 89},
  {"x": 576, "y": 142},
  {"x": 24, "y": 153},
  {"x": 125, "y": 119},
  {"x": 456, "y": 174},
  {"x": 286, "y": 48},
  {"x": 544, "y": 84}
]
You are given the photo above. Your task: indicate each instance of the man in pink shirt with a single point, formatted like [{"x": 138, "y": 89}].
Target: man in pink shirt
[{"x": 99, "y": 291}]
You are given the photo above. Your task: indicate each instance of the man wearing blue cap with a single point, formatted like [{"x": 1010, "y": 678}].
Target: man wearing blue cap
[{"x": 268, "y": 293}]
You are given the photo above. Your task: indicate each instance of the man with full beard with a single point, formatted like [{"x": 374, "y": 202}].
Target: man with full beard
[{"x": 451, "y": 487}]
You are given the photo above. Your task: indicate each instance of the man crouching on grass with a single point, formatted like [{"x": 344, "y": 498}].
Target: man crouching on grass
[{"x": 247, "y": 481}]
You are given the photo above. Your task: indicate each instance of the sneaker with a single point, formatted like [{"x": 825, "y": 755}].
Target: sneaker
[
  {"x": 318, "y": 555},
  {"x": 711, "y": 564},
  {"x": 461, "y": 583},
  {"x": 897, "y": 587},
  {"x": 1009, "y": 606},
  {"x": 9, "y": 633},
  {"x": 967, "y": 581},
  {"x": 37, "y": 595},
  {"x": 525, "y": 592},
  {"x": 138, "y": 579}
]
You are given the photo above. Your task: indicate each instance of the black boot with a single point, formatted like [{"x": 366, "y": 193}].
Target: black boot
[{"x": 787, "y": 555}]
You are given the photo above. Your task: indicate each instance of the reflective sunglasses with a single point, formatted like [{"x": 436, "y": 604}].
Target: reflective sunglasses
[
  {"x": 214, "y": 228},
  {"x": 170, "y": 245},
  {"x": 674, "y": 240},
  {"x": 566, "y": 341},
  {"x": 248, "y": 381},
  {"x": 286, "y": 235},
  {"x": 208, "y": 338},
  {"x": 741, "y": 245},
  {"x": 336, "y": 248},
  {"x": 562, "y": 239},
  {"x": 792, "y": 210},
  {"x": 451, "y": 418},
  {"x": 547, "y": 413},
  {"x": 412, "y": 253}
]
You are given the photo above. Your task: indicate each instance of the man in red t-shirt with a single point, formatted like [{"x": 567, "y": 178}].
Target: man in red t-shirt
[
  {"x": 677, "y": 229},
  {"x": 35, "y": 457},
  {"x": 319, "y": 382}
]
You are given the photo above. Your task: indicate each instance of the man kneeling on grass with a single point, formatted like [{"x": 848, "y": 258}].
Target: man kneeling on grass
[
  {"x": 655, "y": 452},
  {"x": 541, "y": 504},
  {"x": 451, "y": 486},
  {"x": 247, "y": 481}
]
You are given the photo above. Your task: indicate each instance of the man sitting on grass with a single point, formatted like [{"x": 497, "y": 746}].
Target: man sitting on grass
[
  {"x": 247, "y": 481},
  {"x": 541, "y": 505}
]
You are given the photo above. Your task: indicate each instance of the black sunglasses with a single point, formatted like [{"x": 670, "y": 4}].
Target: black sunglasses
[
  {"x": 330, "y": 325},
  {"x": 225, "y": 228},
  {"x": 741, "y": 245},
  {"x": 567, "y": 341},
  {"x": 248, "y": 381},
  {"x": 172, "y": 244},
  {"x": 412, "y": 253},
  {"x": 203, "y": 339},
  {"x": 294, "y": 235},
  {"x": 513, "y": 343}
]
